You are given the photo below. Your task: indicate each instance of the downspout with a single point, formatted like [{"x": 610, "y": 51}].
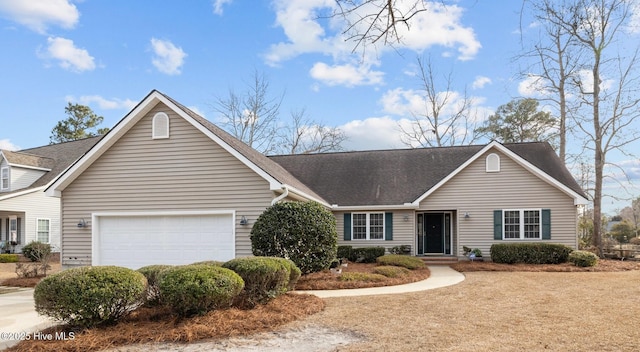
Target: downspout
[{"x": 282, "y": 196}]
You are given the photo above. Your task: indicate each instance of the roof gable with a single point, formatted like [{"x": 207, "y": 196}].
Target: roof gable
[
  {"x": 277, "y": 177},
  {"x": 28, "y": 161}
]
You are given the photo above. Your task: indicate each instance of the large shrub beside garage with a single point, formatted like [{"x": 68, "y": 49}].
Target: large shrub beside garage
[
  {"x": 264, "y": 278},
  {"x": 90, "y": 296},
  {"x": 198, "y": 288},
  {"x": 303, "y": 232},
  {"x": 36, "y": 251}
]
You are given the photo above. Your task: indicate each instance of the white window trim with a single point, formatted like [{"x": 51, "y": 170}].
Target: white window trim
[
  {"x": 5, "y": 171},
  {"x": 368, "y": 224},
  {"x": 490, "y": 167},
  {"x": 48, "y": 229},
  {"x": 521, "y": 223},
  {"x": 154, "y": 133}
]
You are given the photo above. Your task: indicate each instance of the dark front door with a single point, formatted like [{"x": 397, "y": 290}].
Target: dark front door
[{"x": 434, "y": 236}]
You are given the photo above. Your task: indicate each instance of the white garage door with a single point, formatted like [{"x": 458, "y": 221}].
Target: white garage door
[{"x": 135, "y": 241}]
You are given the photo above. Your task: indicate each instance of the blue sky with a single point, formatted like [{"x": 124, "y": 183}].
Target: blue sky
[{"x": 110, "y": 54}]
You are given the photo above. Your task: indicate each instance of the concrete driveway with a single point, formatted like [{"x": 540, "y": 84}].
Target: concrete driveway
[{"x": 18, "y": 318}]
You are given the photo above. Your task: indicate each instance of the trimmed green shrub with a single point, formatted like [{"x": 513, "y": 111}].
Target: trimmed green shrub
[
  {"x": 8, "y": 258},
  {"x": 391, "y": 271},
  {"x": 583, "y": 258},
  {"x": 403, "y": 249},
  {"x": 197, "y": 289},
  {"x": 364, "y": 277},
  {"x": 36, "y": 251},
  {"x": 303, "y": 232},
  {"x": 360, "y": 255},
  {"x": 264, "y": 278},
  {"x": 405, "y": 261},
  {"x": 294, "y": 274},
  {"x": 345, "y": 252},
  {"x": 152, "y": 273},
  {"x": 530, "y": 253},
  {"x": 209, "y": 262},
  {"x": 90, "y": 296}
]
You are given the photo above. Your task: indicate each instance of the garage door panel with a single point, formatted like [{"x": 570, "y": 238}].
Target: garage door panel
[{"x": 136, "y": 241}]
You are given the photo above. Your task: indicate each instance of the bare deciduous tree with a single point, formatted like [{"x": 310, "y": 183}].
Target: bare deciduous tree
[
  {"x": 305, "y": 136},
  {"x": 606, "y": 87},
  {"x": 253, "y": 116},
  {"x": 372, "y": 21},
  {"x": 446, "y": 118}
]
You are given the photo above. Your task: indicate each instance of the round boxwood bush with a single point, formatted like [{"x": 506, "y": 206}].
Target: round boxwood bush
[
  {"x": 583, "y": 258},
  {"x": 405, "y": 261},
  {"x": 303, "y": 232},
  {"x": 36, "y": 251},
  {"x": 198, "y": 288},
  {"x": 90, "y": 296},
  {"x": 152, "y": 273},
  {"x": 264, "y": 278}
]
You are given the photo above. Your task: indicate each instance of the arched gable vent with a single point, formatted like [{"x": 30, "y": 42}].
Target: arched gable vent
[{"x": 160, "y": 128}]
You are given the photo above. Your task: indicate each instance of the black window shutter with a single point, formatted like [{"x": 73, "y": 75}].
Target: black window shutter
[
  {"x": 388, "y": 226},
  {"x": 347, "y": 226},
  {"x": 497, "y": 224},
  {"x": 546, "y": 224}
]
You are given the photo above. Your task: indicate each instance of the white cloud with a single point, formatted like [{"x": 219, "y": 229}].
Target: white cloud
[
  {"x": 6, "y": 144},
  {"x": 69, "y": 57},
  {"x": 532, "y": 87},
  {"x": 40, "y": 14},
  {"x": 196, "y": 110},
  {"x": 480, "y": 82},
  {"x": 373, "y": 133},
  {"x": 168, "y": 58},
  {"x": 103, "y": 103},
  {"x": 634, "y": 20},
  {"x": 347, "y": 75},
  {"x": 218, "y": 6}
]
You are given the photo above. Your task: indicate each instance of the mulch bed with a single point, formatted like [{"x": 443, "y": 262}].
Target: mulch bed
[
  {"x": 152, "y": 325},
  {"x": 326, "y": 280}
]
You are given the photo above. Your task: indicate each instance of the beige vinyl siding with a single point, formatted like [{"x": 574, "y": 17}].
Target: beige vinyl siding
[
  {"x": 30, "y": 207},
  {"x": 187, "y": 171},
  {"x": 479, "y": 193},
  {"x": 22, "y": 177},
  {"x": 403, "y": 231}
]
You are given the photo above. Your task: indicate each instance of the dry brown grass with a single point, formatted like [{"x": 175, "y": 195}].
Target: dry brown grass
[
  {"x": 326, "y": 280},
  {"x": 158, "y": 325},
  {"x": 603, "y": 265},
  {"x": 498, "y": 311}
]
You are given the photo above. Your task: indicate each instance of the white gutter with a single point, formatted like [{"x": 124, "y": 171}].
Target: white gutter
[{"x": 282, "y": 196}]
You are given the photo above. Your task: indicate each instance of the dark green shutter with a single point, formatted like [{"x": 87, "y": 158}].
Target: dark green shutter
[
  {"x": 546, "y": 224},
  {"x": 347, "y": 226},
  {"x": 388, "y": 226},
  {"x": 18, "y": 230},
  {"x": 497, "y": 224}
]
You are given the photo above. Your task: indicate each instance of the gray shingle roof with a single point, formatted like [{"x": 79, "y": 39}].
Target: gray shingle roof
[
  {"x": 29, "y": 160},
  {"x": 395, "y": 177},
  {"x": 58, "y": 156}
]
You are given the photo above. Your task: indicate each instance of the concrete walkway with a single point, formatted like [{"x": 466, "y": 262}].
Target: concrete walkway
[
  {"x": 18, "y": 318},
  {"x": 441, "y": 276}
]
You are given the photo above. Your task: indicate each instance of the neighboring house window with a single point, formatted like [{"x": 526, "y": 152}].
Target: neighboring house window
[
  {"x": 522, "y": 224},
  {"x": 4, "y": 178},
  {"x": 493, "y": 163},
  {"x": 160, "y": 126},
  {"x": 14, "y": 229},
  {"x": 43, "y": 230},
  {"x": 368, "y": 226}
]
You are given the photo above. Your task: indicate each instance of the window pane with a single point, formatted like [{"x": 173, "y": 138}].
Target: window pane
[
  {"x": 359, "y": 226},
  {"x": 43, "y": 230},
  {"x": 376, "y": 226},
  {"x": 531, "y": 224},
  {"x": 512, "y": 224}
]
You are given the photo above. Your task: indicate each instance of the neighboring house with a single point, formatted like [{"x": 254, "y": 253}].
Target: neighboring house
[
  {"x": 167, "y": 186},
  {"x": 26, "y": 213}
]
